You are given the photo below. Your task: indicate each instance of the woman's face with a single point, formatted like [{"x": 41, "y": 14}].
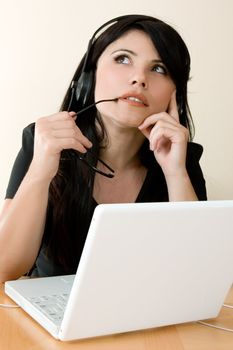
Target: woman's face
[{"x": 131, "y": 70}]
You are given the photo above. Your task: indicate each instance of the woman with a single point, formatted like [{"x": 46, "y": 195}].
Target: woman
[{"x": 136, "y": 74}]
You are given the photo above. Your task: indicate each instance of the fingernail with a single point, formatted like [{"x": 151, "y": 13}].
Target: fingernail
[{"x": 73, "y": 114}]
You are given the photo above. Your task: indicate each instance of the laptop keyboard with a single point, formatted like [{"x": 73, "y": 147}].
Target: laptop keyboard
[{"x": 53, "y": 306}]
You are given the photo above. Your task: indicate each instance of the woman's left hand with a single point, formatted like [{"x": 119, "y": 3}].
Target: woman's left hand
[{"x": 168, "y": 139}]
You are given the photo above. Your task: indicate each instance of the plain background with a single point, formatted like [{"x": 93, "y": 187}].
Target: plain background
[{"x": 42, "y": 41}]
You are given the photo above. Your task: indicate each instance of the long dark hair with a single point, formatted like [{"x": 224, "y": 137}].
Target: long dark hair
[{"x": 70, "y": 201}]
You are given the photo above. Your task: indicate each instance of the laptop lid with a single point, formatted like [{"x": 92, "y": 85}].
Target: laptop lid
[
  {"x": 151, "y": 264},
  {"x": 146, "y": 265}
]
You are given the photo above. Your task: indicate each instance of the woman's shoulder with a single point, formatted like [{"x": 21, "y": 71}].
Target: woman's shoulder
[
  {"x": 29, "y": 130},
  {"x": 28, "y": 138},
  {"x": 194, "y": 150},
  {"x": 194, "y": 153}
]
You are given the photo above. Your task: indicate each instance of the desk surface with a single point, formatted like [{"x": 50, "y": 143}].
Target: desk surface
[{"x": 19, "y": 331}]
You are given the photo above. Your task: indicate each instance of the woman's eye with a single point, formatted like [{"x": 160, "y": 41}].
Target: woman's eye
[
  {"x": 160, "y": 69},
  {"x": 123, "y": 59}
]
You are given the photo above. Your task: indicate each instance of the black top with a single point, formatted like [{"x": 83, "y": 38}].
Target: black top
[{"x": 154, "y": 189}]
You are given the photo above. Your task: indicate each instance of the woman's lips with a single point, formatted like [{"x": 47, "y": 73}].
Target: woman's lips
[{"x": 135, "y": 99}]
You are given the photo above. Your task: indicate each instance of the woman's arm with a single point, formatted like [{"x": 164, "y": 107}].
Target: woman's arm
[
  {"x": 168, "y": 140},
  {"x": 21, "y": 227},
  {"x": 23, "y": 218},
  {"x": 180, "y": 188}
]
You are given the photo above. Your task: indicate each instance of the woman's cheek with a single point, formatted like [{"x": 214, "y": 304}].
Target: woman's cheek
[{"x": 162, "y": 100}]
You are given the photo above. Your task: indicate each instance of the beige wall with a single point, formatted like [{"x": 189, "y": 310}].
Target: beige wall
[{"x": 41, "y": 42}]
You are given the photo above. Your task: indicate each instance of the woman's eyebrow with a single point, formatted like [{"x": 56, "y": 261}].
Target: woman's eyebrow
[
  {"x": 156, "y": 60},
  {"x": 125, "y": 50}
]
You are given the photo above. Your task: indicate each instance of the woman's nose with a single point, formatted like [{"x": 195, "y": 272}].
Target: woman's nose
[
  {"x": 142, "y": 83},
  {"x": 139, "y": 78}
]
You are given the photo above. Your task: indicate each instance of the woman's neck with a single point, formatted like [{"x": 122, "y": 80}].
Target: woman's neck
[{"x": 122, "y": 147}]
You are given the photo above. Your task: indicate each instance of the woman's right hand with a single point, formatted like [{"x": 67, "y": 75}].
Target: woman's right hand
[{"x": 52, "y": 135}]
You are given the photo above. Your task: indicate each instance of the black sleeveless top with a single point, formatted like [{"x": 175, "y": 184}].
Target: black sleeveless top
[{"x": 154, "y": 189}]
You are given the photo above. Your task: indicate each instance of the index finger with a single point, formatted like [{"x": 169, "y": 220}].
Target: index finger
[{"x": 172, "y": 107}]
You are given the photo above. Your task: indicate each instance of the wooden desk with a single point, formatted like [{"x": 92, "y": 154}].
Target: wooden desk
[{"x": 19, "y": 332}]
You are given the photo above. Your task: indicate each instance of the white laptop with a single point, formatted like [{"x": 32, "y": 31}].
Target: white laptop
[{"x": 144, "y": 265}]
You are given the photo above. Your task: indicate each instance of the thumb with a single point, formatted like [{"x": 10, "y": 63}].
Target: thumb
[
  {"x": 145, "y": 131},
  {"x": 172, "y": 108}
]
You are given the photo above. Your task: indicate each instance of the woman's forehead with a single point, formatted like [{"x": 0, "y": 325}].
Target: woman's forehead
[{"x": 134, "y": 40}]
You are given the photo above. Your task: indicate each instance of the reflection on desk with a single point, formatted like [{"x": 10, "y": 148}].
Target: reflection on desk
[{"x": 19, "y": 332}]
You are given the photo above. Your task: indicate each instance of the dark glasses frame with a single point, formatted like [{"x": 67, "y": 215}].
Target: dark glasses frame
[
  {"x": 82, "y": 157},
  {"x": 95, "y": 169}
]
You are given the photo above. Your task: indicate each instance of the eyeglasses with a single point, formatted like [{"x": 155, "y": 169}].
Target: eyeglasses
[
  {"x": 82, "y": 157},
  {"x": 109, "y": 175}
]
